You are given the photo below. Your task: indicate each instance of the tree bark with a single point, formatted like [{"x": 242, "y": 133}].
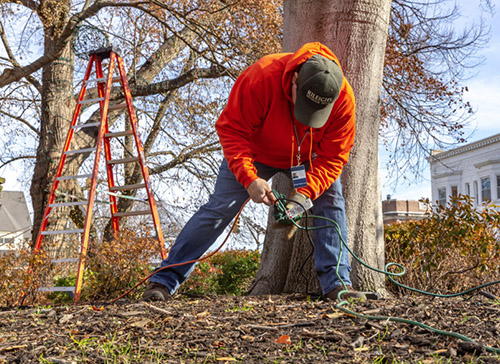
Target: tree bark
[
  {"x": 57, "y": 105},
  {"x": 356, "y": 31},
  {"x": 285, "y": 263}
]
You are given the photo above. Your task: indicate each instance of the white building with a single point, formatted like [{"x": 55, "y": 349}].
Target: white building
[
  {"x": 473, "y": 170},
  {"x": 15, "y": 220}
]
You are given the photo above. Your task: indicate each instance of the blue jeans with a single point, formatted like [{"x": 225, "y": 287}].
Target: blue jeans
[{"x": 205, "y": 226}]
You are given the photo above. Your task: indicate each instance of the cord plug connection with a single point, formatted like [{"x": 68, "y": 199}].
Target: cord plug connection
[{"x": 284, "y": 215}]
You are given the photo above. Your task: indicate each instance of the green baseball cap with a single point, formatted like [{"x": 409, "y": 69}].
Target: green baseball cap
[{"x": 318, "y": 87}]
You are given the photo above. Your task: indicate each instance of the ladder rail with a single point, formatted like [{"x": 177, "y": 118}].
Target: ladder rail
[
  {"x": 142, "y": 161},
  {"x": 62, "y": 160},
  {"x": 95, "y": 170}
]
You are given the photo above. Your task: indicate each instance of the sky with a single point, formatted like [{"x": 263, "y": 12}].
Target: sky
[{"x": 484, "y": 95}]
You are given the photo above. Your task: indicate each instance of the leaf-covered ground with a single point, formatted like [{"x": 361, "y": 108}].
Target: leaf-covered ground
[{"x": 274, "y": 329}]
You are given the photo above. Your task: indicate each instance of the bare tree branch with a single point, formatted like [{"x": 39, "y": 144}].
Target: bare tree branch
[
  {"x": 17, "y": 159},
  {"x": 25, "y": 122},
  {"x": 170, "y": 85},
  {"x": 183, "y": 157},
  {"x": 156, "y": 127},
  {"x": 15, "y": 74},
  {"x": 30, "y": 4},
  {"x": 13, "y": 60}
]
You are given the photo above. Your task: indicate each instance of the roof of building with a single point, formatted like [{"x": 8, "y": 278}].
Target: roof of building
[
  {"x": 14, "y": 214},
  {"x": 465, "y": 148}
]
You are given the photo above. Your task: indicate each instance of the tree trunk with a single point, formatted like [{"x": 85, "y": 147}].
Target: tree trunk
[
  {"x": 356, "y": 31},
  {"x": 57, "y": 106},
  {"x": 285, "y": 266}
]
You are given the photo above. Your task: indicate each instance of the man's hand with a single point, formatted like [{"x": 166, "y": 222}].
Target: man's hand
[{"x": 260, "y": 192}]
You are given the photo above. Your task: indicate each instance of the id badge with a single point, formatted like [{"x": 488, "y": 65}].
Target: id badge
[{"x": 299, "y": 176}]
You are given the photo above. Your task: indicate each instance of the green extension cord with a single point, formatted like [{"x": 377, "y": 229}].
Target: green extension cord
[{"x": 280, "y": 214}]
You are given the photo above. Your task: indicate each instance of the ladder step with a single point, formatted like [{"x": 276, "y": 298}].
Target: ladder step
[
  {"x": 89, "y": 125},
  {"x": 74, "y": 203},
  {"x": 132, "y": 213},
  {"x": 124, "y": 160},
  {"x": 127, "y": 187},
  {"x": 74, "y": 177},
  {"x": 55, "y": 232},
  {"x": 127, "y": 197},
  {"x": 65, "y": 260},
  {"x": 117, "y": 106},
  {"x": 91, "y": 101},
  {"x": 56, "y": 289},
  {"x": 80, "y": 151},
  {"x": 103, "y": 80},
  {"x": 119, "y": 134}
]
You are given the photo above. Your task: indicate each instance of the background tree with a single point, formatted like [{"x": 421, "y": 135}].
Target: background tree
[
  {"x": 179, "y": 52},
  {"x": 427, "y": 63}
]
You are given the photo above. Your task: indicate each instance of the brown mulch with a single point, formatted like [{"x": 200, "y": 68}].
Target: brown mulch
[{"x": 271, "y": 329}]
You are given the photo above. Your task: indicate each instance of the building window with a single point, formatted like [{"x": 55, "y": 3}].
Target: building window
[
  {"x": 454, "y": 193},
  {"x": 486, "y": 189},
  {"x": 4, "y": 242},
  {"x": 498, "y": 187},
  {"x": 467, "y": 189},
  {"x": 442, "y": 196}
]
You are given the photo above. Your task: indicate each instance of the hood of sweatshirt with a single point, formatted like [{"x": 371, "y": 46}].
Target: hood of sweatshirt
[{"x": 300, "y": 56}]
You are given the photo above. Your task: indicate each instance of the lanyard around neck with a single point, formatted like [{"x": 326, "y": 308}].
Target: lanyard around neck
[
  {"x": 295, "y": 135},
  {"x": 298, "y": 144}
]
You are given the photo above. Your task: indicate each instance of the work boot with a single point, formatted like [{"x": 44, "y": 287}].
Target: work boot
[
  {"x": 155, "y": 292},
  {"x": 352, "y": 293}
]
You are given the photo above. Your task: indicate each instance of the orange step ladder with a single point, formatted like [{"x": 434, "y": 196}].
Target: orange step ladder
[{"x": 104, "y": 86}]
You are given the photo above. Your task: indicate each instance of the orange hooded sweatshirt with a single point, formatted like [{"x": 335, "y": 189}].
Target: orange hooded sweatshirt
[{"x": 257, "y": 123}]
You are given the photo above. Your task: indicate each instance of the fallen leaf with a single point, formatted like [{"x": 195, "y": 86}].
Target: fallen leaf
[
  {"x": 218, "y": 344},
  {"x": 332, "y": 315},
  {"x": 98, "y": 308},
  {"x": 12, "y": 347},
  {"x": 440, "y": 351},
  {"x": 65, "y": 318},
  {"x": 363, "y": 348},
  {"x": 141, "y": 323},
  {"x": 226, "y": 358},
  {"x": 283, "y": 339}
]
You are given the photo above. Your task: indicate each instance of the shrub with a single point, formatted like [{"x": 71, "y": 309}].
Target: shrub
[
  {"x": 115, "y": 266},
  {"x": 203, "y": 279},
  {"x": 21, "y": 273},
  {"x": 238, "y": 270},
  {"x": 111, "y": 268},
  {"x": 453, "y": 249},
  {"x": 229, "y": 272}
]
